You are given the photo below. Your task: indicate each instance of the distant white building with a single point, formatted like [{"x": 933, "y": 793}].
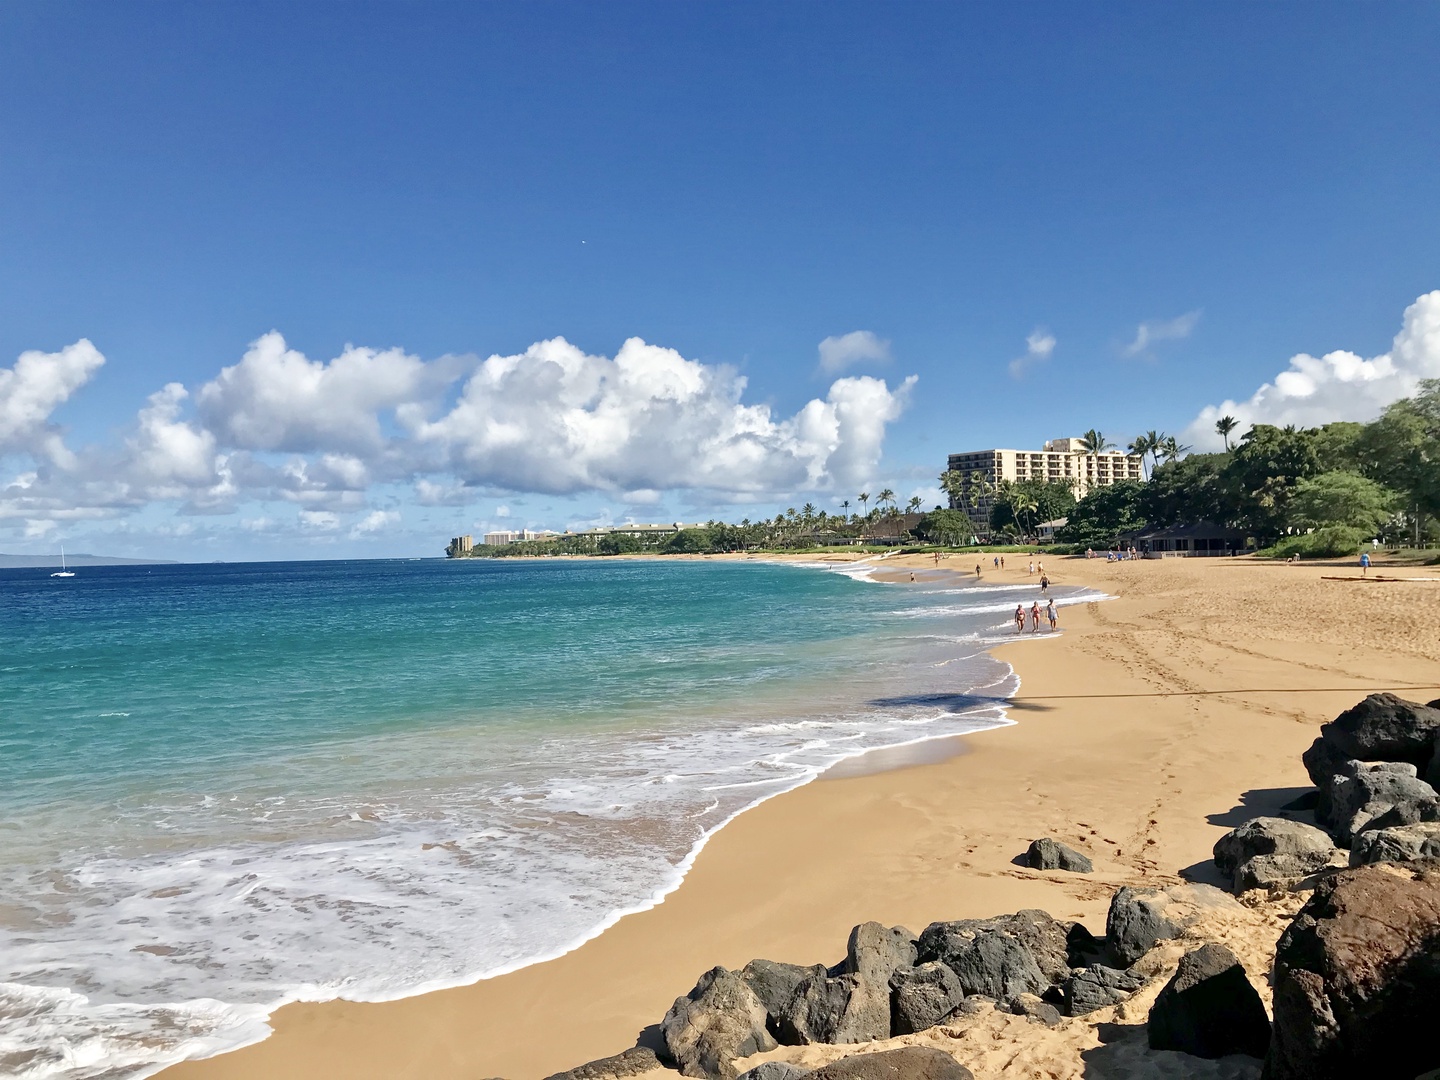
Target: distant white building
[
  {"x": 496, "y": 539},
  {"x": 1062, "y": 461}
]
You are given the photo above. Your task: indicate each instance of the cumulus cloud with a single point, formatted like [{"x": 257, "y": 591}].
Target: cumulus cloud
[
  {"x": 276, "y": 398},
  {"x": 856, "y": 347},
  {"x": 278, "y": 427},
  {"x": 554, "y": 419},
  {"x": 1038, "y": 347},
  {"x": 1339, "y": 385},
  {"x": 1148, "y": 333},
  {"x": 376, "y": 521},
  {"x": 34, "y": 388}
]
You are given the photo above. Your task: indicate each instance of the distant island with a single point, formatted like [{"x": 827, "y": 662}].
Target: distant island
[{"x": 26, "y": 562}]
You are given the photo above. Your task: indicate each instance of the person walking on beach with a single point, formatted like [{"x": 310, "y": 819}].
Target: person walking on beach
[
  {"x": 1044, "y": 583},
  {"x": 1002, "y": 562},
  {"x": 996, "y": 561},
  {"x": 1019, "y": 618},
  {"x": 1030, "y": 568},
  {"x": 1035, "y": 617},
  {"x": 977, "y": 569},
  {"x": 1050, "y": 614},
  {"x": 1364, "y": 564}
]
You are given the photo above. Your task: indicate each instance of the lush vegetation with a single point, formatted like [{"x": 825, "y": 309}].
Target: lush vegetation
[{"x": 1302, "y": 491}]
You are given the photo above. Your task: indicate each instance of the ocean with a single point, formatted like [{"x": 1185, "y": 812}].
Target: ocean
[{"x": 225, "y": 787}]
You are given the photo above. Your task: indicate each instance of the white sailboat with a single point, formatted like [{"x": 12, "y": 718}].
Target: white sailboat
[{"x": 62, "y": 572}]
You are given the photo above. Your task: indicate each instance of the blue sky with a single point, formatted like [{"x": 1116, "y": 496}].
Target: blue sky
[{"x": 732, "y": 183}]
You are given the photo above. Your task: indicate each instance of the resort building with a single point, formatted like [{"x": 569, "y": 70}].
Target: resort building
[
  {"x": 459, "y": 547},
  {"x": 496, "y": 539},
  {"x": 1062, "y": 461}
]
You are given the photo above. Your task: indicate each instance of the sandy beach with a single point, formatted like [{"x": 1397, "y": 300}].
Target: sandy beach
[{"x": 1156, "y": 721}]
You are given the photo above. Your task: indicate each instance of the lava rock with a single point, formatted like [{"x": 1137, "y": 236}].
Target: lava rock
[
  {"x": 921, "y": 997},
  {"x": 1098, "y": 987},
  {"x": 1053, "y": 945},
  {"x": 1357, "y": 975},
  {"x": 836, "y": 1009},
  {"x": 774, "y": 984},
  {"x": 875, "y": 952},
  {"x": 1384, "y": 727},
  {"x": 1035, "y": 1008},
  {"x": 1048, "y": 854},
  {"x": 903, "y": 1063},
  {"x": 775, "y": 1070},
  {"x": 632, "y": 1062},
  {"x": 719, "y": 1020},
  {"x": 1402, "y": 843},
  {"x": 997, "y": 965},
  {"x": 1291, "y": 850},
  {"x": 1209, "y": 1009},
  {"x": 1135, "y": 922},
  {"x": 1378, "y": 795}
]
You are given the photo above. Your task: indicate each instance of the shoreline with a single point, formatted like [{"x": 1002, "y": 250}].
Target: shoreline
[{"x": 642, "y": 961}]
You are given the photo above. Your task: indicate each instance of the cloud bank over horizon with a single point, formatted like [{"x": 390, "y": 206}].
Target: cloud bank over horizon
[
  {"x": 1340, "y": 385},
  {"x": 327, "y": 437}
]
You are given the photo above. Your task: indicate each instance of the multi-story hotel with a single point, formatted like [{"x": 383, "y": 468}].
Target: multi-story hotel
[{"x": 1062, "y": 461}]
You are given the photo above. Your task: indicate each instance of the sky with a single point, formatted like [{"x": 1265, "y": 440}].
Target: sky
[{"x": 317, "y": 280}]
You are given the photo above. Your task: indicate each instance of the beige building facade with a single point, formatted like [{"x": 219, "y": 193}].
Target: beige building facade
[{"x": 1062, "y": 461}]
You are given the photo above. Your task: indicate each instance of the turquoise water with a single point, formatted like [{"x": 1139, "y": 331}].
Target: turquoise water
[{"x": 224, "y": 787}]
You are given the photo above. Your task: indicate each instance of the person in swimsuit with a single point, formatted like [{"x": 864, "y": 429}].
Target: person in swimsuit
[
  {"x": 1050, "y": 614},
  {"x": 1019, "y": 618},
  {"x": 1035, "y": 616},
  {"x": 1364, "y": 564}
]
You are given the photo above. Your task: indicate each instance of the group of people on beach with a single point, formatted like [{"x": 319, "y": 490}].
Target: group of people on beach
[{"x": 1035, "y": 616}]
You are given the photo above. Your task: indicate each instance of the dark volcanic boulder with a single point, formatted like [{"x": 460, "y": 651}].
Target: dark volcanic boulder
[
  {"x": 875, "y": 952},
  {"x": 1357, "y": 977},
  {"x": 632, "y": 1062},
  {"x": 1048, "y": 854},
  {"x": 775, "y": 1070},
  {"x": 1378, "y": 795},
  {"x": 718, "y": 1021},
  {"x": 904, "y": 1063},
  {"x": 921, "y": 997},
  {"x": 774, "y": 984},
  {"x": 1209, "y": 1009},
  {"x": 997, "y": 965},
  {"x": 836, "y": 1009},
  {"x": 1098, "y": 987},
  {"x": 1053, "y": 945},
  {"x": 1135, "y": 922},
  {"x": 1035, "y": 1008},
  {"x": 1322, "y": 761},
  {"x": 1291, "y": 849},
  {"x": 1384, "y": 727},
  {"x": 1403, "y": 843}
]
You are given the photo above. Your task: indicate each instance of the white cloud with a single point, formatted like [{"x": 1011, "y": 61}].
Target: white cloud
[
  {"x": 1339, "y": 385},
  {"x": 856, "y": 347},
  {"x": 34, "y": 388},
  {"x": 276, "y": 398},
  {"x": 554, "y": 419},
  {"x": 278, "y": 427},
  {"x": 319, "y": 520},
  {"x": 1038, "y": 347},
  {"x": 374, "y": 522},
  {"x": 1148, "y": 333}
]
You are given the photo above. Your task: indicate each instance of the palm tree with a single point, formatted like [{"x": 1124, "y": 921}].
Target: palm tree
[
  {"x": 913, "y": 506},
  {"x": 886, "y": 496},
  {"x": 864, "y": 498},
  {"x": 845, "y": 505},
  {"x": 956, "y": 486},
  {"x": 1172, "y": 448},
  {"x": 1094, "y": 443},
  {"x": 1224, "y": 426}
]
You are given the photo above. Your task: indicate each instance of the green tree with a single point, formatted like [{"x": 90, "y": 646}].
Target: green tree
[
  {"x": 1341, "y": 498},
  {"x": 951, "y": 527},
  {"x": 1103, "y": 514},
  {"x": 1402, "y": 451},
  {"x": 1264, "y": 469},
  {"x": 1189, "y": 490},
  {"x": 1224, "y": 426},
  {"x": 1020, "y": 506}
]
